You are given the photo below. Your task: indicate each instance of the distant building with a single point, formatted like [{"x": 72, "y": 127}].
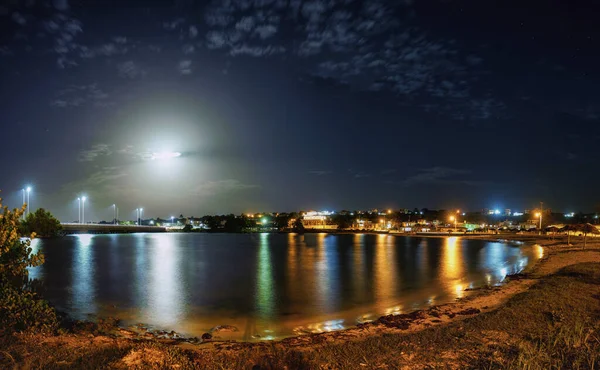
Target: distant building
[{"x": 318, "y": 220}]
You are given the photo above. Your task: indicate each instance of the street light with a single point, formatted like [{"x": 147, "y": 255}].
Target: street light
[
  {"x": 172, "y": 220},
  {"x": 539, "y": 214},
  {"x": 453, "y": 219},
  {"x": 79, "y": 210},
  {"x": 23, "y": 201},
  {"x": 83, "y": 209},
  {"x": 115, "y": 214},
  {"x": 141, "y": 215},
  {"x": 28, "y": 191}
]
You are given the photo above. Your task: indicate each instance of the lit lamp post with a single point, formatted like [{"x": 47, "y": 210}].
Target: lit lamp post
[
  {"x": 115, "y": 214},
  {"x": 83, "y": 209},
  {"x": 539, "y": 214},
  {"x": 453, "y": 219},
  {"x": 141, "y": 215},
  {"x": 172, "y": 220},
  {"x": 79, "y": 210},
  {"x": 23, "y": 201},
  {"x": 28, "y": 191}
]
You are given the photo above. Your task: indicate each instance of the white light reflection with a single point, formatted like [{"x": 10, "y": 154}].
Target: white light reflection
[
  {"x": 166, "y": 299},
  {"x": 83, "y": 299},
  {"x": 265, "y": 302}
]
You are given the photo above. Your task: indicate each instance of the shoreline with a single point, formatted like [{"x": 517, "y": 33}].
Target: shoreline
[
  {"x": 495, "y": 324},
  {"x": 425, "y": 317}
]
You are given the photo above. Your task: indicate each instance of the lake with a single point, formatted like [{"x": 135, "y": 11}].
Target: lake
[{"x": 267, "y": 285}]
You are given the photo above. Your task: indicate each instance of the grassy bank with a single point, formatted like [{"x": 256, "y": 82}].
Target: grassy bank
[{"x": 553, "y": 324}]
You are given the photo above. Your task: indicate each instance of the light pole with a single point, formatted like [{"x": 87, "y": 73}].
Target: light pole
[
  {"x": 172, "y": 220},
  {"x": 141, "y": 215},
  {"x": 23, "y": 202},
  {"x": 453, "y": 219},
  {"x": 115, "y": 214},
  {"x": 83, "y": 209},
  {"x": 28, "y": 191},
  {"x": 79, "y": 210}
]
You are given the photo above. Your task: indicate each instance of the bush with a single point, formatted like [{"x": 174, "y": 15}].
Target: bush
[
  {"x": 42, "y": 223},
  {"x": 24, "y": 310},
  {"x": 20, "y": 308}
]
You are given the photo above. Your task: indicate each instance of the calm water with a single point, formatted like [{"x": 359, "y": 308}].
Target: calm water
[{"x": 268, "y": 285}]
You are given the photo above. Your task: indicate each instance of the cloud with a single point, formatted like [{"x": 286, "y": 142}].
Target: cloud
[
  {"x": 174, "y": 24},
  {"x": 365, "y": 46},
  {"x": 130, "y": 70},
  {"x": 437, "y": 175},
  {"x": 95, "y": 152},
  {"x": 319, "y": 172},
  {"x": 80, "y": 95},
  {"x": 188, "y": 49},
  {"x": 212, "y": 188},
  {"x": 185, "y": 67},
  {"x": 19, "y": 18},
  {"x": 5, "y": 51},
  {"x": 62, "y": 5},
  {"x": 193, "y": 32}
]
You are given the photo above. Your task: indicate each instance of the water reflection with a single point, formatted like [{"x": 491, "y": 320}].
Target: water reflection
[
  {"x": 83, "y": 285},
  {"x": 264, "y": 289},
  {"x": 385, "y": 269},
  {"x": 269, "y": 284},
  {"x": 166, "y": 299}
]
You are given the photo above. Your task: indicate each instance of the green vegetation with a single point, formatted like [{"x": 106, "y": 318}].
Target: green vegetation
[
  {"x": 42, "y": 223},
  {"x": 21, "y": 309}
]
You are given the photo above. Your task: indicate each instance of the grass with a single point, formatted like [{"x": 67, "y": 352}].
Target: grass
[{"x": 553, "y": 325}]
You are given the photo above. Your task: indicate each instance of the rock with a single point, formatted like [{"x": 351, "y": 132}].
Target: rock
[
  {"x": 469, "y": 311},
  {"x": 224, "y": 328},
  {"x": 206, "y": 336}
]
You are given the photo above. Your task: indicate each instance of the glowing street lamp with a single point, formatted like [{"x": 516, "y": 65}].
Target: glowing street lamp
[
  {"x": 83, "y": 209},
  {"x": 115, "y": 214},
  {"x": 141, "y": 215},
  {"x": 539, "y": 214},
  {"x": 172, "y": 217},
  {"x": 79, "y": 210},
  {"x": 23, "y": 201},
  {"x": 453, "y": 219},
  {"x": 28, "y": 191}
]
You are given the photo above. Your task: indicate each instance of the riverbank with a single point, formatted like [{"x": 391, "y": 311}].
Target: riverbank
[{"x": 493, "y": 327}]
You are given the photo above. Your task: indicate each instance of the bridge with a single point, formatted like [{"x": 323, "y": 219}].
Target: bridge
[{"x": 75, "y": 228}]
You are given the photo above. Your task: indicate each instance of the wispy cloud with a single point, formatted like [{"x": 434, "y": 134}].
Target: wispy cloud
[
  {"x": 319, "y": 172},
  {"x": 365, "y": 47},
  {"x": 95, "y": 152},
  {"x": 79, "y": 95},
  {"x": 185, "y": 67},
  {"x": 439, "y": 175},
  {"x": 130, "y": 70},
  {"x": 211, "y": 188}
]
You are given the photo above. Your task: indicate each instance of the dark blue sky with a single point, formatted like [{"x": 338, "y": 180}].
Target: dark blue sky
[{"x": 286, "y": 105}]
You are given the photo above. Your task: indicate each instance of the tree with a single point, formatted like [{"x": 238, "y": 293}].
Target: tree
[
  {"x": 298, "y": 225},
  {"x": 20, "y": 308},
  {"x": 568, "y": 229},
  {"x": 187, "y": 228},
  {"x": 587, "y": 229},
  {"x": 42, "y": 223}
]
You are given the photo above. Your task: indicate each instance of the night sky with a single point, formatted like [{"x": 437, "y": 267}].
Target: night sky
[{"x": 282, "y": 105}]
